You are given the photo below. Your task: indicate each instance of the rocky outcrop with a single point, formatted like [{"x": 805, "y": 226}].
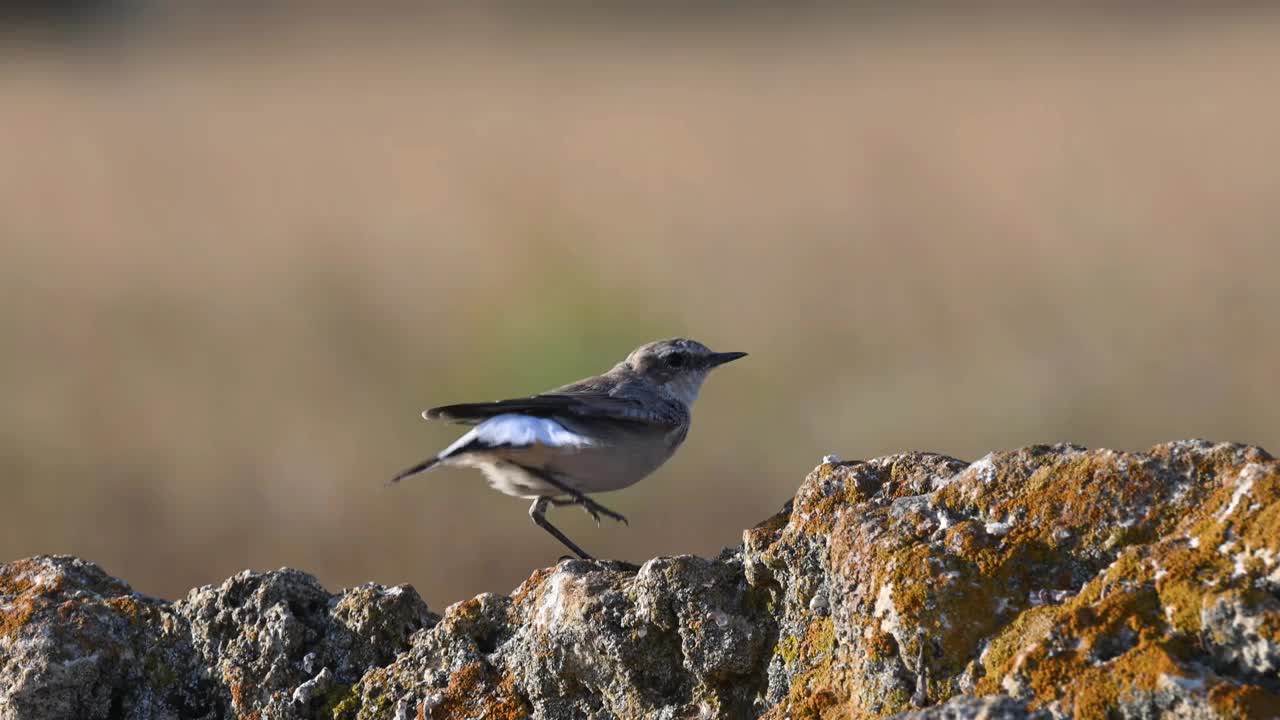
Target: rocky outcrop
[
  {"x": 1046, "y": 582},
  {"x": 77, "y": 643}
]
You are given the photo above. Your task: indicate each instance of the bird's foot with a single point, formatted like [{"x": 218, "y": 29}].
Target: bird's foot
[
  {"x": 592, "y": 508},
  {"x": 583, "y": 556},
  {"x": 595, "y": 510}
]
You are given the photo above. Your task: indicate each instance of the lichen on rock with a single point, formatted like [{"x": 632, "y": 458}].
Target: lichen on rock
[
  {"x": 77, "y": 643},
  {"x": 1052, "y": 574},
  {"x": 1045, "y": 582}
]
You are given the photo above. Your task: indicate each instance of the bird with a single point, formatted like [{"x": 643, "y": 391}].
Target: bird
[{"x": 598, "y": 434}]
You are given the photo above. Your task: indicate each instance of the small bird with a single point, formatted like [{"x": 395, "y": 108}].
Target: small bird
[{"x": 598, "y": 434}]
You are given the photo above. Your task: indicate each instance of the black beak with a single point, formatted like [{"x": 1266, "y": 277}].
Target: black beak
[{"x": 715, "y": 359}]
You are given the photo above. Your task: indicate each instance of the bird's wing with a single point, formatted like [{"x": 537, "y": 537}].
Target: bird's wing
[{"x": 584, "y": 405}]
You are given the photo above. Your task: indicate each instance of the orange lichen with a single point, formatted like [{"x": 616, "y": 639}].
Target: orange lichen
[
  {"x": 1083, "y": 574},
  {"x": 1140, "y": 620},
  {"x": 16, "y": 616},
  {"x": 18, "y": 581},
  {"x": 814, "y": 704},
  {"x": 15, "y": 577},
  {"x": 814, "y": 690},
  {"x": 1244, "y": 701},
  {"x": 1027, "y": 629},
  {"x": 531, "y": 585},
  {"x": 127, "y": 606},
  {"x": 237, "y": 694},
  {"x": 767, "y": 532},
  {"x": 880, "y": 645},
  {"x": 475, "y": 690}
]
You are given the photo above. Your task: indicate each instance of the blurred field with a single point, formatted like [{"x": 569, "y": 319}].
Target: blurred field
[{"x": 235, "y": 267}]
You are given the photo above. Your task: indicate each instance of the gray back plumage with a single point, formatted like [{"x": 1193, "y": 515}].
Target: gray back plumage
[{"x": 647, "y": 388}]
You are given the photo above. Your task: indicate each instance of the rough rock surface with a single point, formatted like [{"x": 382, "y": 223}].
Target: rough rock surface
[
  {"x": 77, "y": 643},
  {"x": 1046, "y": 582}
]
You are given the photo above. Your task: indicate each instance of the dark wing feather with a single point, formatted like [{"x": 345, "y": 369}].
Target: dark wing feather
[{"x": 556, "y": 405}]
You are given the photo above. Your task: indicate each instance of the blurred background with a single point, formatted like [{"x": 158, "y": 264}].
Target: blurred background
[{"x": 242, "y": 248}]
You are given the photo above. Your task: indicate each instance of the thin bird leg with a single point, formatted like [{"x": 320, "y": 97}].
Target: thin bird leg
[
  {"x": 538, "y": 513},
  {"x": 593, "y": 508}
]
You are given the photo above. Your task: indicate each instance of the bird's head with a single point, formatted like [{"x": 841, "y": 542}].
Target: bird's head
[{"x": 678, "y": 365}]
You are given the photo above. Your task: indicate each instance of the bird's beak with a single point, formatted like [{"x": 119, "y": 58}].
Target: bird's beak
[{"x": 716, "y": 359}]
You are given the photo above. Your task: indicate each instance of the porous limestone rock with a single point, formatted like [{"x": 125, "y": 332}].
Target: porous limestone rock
[
  {"x": 1045, "y": 582},
  {"x": 278, "y": 643},
  {"x": 678, "y": 637},
  {"x": 968, "y": 707},
  {"x": 77, "y": 643},
  {"x": 1082, "y": 583}
]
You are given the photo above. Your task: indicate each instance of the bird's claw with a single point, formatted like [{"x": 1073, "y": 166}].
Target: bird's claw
[{"x": 595, "y": 510}]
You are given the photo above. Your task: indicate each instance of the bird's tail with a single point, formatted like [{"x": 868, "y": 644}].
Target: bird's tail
[{"x": 421, "y": 467}]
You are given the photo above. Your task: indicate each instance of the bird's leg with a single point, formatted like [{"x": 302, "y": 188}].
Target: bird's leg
[
  {"x": 593, "y": 508},
  {"x": 538, "y": 513}
]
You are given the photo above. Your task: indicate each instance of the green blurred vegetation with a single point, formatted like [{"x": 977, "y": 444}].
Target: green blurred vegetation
[{"x": 235, "y": 268}]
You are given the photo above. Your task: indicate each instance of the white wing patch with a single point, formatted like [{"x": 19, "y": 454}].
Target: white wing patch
[{"x": 514, "y": 430}]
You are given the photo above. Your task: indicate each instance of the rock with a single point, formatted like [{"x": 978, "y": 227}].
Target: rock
[
  {"x": 679, "y": 636},
  {"x": 263, "y": 636},
  {"x": 1088, "y": 601},
  {"x": 77, "y": 643},
  {"x": 313, "y": 688},
  {"x": 967, "y": 707},
  {"x": 1045, "y": 582}
]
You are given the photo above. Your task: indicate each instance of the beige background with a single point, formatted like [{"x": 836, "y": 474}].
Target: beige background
[{"x": 237, "y": 262}]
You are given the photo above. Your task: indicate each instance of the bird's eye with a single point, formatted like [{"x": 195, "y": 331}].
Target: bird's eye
[{"x": 675, "y": 360}]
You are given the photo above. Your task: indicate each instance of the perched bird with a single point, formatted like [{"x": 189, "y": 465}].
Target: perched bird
[{"x": 599, "y": 434}]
